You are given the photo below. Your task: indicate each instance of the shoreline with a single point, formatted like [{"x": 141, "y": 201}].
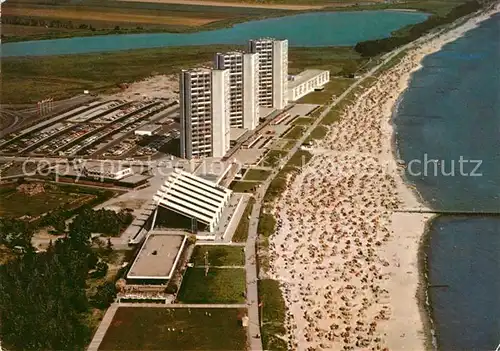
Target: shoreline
[{"x": 396, "y": 269}]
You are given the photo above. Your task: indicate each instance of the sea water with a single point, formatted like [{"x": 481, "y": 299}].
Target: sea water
[{"x": 451, "y": 112}]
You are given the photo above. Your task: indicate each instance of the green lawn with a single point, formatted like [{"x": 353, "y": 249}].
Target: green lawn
[
  {"x": 14, "y": 203},
  {"x": 289, "y": 144},
  {"x": 222, "y": 255},
  {"x": 272, "y": 158},
  {"x": 273, "y": 315},
  {"x": 241, "y": 233},
  {"x": 221, "y": 285},
  {"x": 244, "y": 187},
  {"x": 338, "y": 60},
  {"x": 295, "y": 133},
  {"x": 302, "y": 121},
  {"x": 256, "y": 174},
  {"x": 299, "y": 159},
  {"x": 267, "y": 224},
  {"x": 336, "y": 86},
  {"x": 317, "y": 133},
  {"x": 146, "y": 328}
]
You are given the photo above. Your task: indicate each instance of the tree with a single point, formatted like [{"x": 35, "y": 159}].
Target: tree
[
  {"x": 109, "y": 246},
  {"x": 105, "y": 295}
]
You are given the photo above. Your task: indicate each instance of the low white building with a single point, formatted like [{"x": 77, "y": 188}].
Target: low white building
[
  {"x": 193, "y": 197},
  {"x": 106, "y": 170},
  {"x": 148, "y": 129},
  {"x": 306, "y": 82}
]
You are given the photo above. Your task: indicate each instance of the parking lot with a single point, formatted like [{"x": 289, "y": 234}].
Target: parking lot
[{"x": 98, "y": 128}]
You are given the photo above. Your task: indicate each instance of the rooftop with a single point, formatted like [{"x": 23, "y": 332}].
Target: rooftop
[
  {"x": 157, "y": 257},
  {"x": 265, "y": 111},
  {"x": 133, "y": 179},
  {"x": 148, "y": 128},
  {"x": 304, "y": 77},
  {"x": 236, "y": 133},
  {"x": 104, "y": 166},
  {"x": 193, "y": 196},
  {"x": 301, "y": 109}
]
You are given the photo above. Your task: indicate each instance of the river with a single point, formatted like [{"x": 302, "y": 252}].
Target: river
[{"x": 314, "y": 29}]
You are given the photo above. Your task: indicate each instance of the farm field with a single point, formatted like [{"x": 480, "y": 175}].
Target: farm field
[
  {"x": 221, "y": 285},
  {"x": 59, "y": 19},
  {"x": 143, "y": 328},
  {"x": 273, "y": 4},
  {"x": 110, "y": 16}
]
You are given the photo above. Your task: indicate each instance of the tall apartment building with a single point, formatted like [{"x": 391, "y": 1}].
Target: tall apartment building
[
  {"x": 273, "y": 71},
  {"x": 204, "y": 102},
  {"x": 243, "y": 71}
]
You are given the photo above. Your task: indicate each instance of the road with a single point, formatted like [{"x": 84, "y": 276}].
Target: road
[{"x": 250, "y": 247}]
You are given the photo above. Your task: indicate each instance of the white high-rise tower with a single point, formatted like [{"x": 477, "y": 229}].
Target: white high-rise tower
[
  {"x": 243, "y": 89},
  {"x": 204, "y": 102},
  {"x": 273, "y": 71}
]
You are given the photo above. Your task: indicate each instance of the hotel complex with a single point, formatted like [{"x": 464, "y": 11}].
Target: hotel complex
[{"x": 215, "y": 100}]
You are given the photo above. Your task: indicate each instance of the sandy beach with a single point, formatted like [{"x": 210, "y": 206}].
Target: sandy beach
[{"x": 345, "y": 255}]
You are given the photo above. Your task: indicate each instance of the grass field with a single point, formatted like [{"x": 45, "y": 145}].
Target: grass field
[
  {"x": 272, "y": 158},
  {"x": 289, "y": 144},
  {"x": 244, "y": 187},
  {"x": 273, "y": 315},
  {"x": 142, "y": 328},
  {"x": 256, "y": 174},
  {"x": 14, "y": 203},
  {"x": 241, "y": 233},
  {"x": 222, "y": 255},
  {"x": 64, "y": 76},
  {"x": 221, "y": 285},
  {"x": 336, "y": 86},
  {"x": 302, "y": 121},
  {"x": 296, "y": 132},
  {"x": 317, "y": 133}
]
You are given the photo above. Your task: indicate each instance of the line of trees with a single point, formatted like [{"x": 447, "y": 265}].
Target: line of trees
[
  {"x": 372, "y": 48},
  {"x": 40, "y": 22}
]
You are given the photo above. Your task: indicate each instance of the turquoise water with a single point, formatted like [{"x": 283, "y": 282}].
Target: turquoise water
[
  {"x": 305, "y": 30},
  {"x": 451, "y": 111}
]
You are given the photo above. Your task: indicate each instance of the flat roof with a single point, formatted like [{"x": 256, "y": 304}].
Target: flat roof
[
  {"x": 265, "y": 111},
  {"x": 148, "y": 128},
  {"x": 135, "y": 178},
  {"x": 105, "y": 166},
  {"x": 236, "y": 133},
  {"x": 157, "y": 257},
  {"x": 301, "y": 109},
  {"x": 304, "y": 76}
]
